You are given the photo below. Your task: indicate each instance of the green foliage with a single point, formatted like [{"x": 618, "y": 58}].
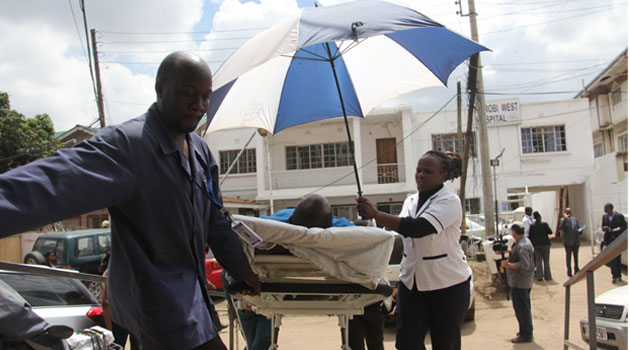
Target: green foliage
[{"x": 23, "y": 140}]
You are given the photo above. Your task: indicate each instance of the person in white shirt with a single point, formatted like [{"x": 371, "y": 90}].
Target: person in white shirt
[
  {"x": 434, "y": 288},
  {"x": 527, "y": 220}
]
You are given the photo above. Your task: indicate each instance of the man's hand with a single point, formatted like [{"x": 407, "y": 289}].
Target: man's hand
[
  {"x": 252, "y": 281},
  {"x": 506, "y": 264},
  {"x": 606, "y": 228}
]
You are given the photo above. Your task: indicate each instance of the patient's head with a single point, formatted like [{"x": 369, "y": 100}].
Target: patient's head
[{"x": 312, "y": 211}]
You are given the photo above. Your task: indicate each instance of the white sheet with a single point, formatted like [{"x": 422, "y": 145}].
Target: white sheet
[{"x": 354, "y": 254}]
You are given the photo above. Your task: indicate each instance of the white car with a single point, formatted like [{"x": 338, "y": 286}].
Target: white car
[{"x": 611, "y": 309}]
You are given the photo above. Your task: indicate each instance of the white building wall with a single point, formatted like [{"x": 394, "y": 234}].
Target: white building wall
[
  {"x": 517, "y": 170},
  {"x": 541, "y": 174}
]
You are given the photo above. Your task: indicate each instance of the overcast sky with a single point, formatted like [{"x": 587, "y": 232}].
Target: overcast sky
[{"x": 539, "y": 48}]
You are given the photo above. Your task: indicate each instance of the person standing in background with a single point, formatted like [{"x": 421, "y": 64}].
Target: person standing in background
[
  {"x": 527, "y": 220},
  {"x": 520, "y": 275},
  {"x": 539, "y": 236},
  {"x": 571, "y": 228},
  {"x": 613, "y": 225}
]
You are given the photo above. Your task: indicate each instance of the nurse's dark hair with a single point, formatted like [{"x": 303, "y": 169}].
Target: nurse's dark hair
[{"x": 451, "y": 162}]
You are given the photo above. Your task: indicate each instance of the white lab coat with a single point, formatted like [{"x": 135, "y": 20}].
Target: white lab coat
[{"x": 436, "y": 260}]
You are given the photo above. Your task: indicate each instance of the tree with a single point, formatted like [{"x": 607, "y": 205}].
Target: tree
[{"x": 23, "y": 140}]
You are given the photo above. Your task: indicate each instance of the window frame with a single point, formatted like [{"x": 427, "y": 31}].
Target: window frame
[
  {"x": 438, "y": 141},
  {"x": 317, "y": 156},
  {"x": 538, "y": 138},
  {"x": 246, "y": 164}
]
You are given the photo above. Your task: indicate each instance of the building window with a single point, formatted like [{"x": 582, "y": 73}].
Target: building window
[
  {"x": 473, "y": 205},
  {"x": 515, "y": 201},
  {"x": 449, "y": 142},
  {"x": 598, "y": 150},
  {"x": 543, "y": 139},
  {"x": 393, "y": 208},
  {"x": 623, "y": 143},
  {"x": 327, "y": 155},
  {"x": 245, "y": 164},
  {"x": 345, "y": 211}
]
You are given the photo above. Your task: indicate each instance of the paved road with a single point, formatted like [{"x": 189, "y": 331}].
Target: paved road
[{"x": 494, "y": 323}]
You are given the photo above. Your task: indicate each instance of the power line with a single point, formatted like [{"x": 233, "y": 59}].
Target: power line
[
  {"x": 173, "y": 41},
  {"x": 162, "y": 51},
  {"x": 182, "y": 33},
  {"x": 547, "y": 22},
  {"x": 76, "y": 26},
  {"x": 531, "y": 93},
  {"x": 87, "y": 38}
]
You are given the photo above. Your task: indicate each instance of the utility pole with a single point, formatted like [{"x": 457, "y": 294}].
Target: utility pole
[
  {"x": 99, "y": 89},
  {"x": 462, "y": 153},
  {"x": 484, "y": 156}
]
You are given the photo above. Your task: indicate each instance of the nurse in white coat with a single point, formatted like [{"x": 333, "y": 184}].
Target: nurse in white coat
[{"x": 434, "y": 288}]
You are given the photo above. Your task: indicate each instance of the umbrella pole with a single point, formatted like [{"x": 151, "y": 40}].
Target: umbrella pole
[{"x": 345, "y": 119}]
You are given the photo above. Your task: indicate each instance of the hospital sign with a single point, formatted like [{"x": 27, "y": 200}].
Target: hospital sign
[{"x": 502, "y": 112}]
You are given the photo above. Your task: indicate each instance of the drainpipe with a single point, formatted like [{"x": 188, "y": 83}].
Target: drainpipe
[
  {"x": 610, "y": 131},
  {"x": 599, "y": 122}
]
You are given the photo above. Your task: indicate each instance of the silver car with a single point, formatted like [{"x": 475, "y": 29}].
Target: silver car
[
  {"x": 611, "y": 309},
  {"x": 58, "y": 300}
]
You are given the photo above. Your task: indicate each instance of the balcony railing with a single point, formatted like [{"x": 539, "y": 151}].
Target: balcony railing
[{"x": 338, "y": 176}]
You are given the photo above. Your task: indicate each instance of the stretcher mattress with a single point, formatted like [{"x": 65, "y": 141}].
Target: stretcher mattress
[{"x": 353, "y": 254}]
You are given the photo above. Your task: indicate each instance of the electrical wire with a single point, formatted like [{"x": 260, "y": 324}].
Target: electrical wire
[
  {"x": 87, "y": 38},
  {"x": 76, "y": 26}
]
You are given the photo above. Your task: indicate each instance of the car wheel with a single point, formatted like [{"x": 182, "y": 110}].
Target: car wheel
[
  {"x": 34, "y": 258},
  {"x": 470, "y": 314},
  {"x": 95, "y": 288}
]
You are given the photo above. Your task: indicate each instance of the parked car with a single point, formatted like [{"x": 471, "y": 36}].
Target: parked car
[
  {"x": 611, "y": 310},
  {"x": 80, "y": 250},
  {"x": 58, "y": 300},
  {"x": 393, "y": 273},
  {"x": 213, "y": 271}
]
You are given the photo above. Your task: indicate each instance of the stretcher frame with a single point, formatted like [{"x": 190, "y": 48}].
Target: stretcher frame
[{"x": 293, "y": 286}]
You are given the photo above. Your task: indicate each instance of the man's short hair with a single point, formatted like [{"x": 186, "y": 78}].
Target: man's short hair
[
  {"x": 528, "y": 210},
  {"x": 312, "y": 211},
  {"x": 518, "y": 227}
]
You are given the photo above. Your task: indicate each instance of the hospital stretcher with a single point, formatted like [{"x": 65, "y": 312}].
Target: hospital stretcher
[{"x": 292, "y": 285}]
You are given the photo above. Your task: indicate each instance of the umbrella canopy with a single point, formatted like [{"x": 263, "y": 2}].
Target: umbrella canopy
[{"x": 333, "y": 61}]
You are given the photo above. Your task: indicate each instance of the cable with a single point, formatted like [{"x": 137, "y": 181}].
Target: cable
[
  {"x": 553, "y": 21},
  {"x": 173, "y": 41},
  {"x": 182, "y": 33},
  {"x": 76, "y": 26},
  {"x": 87, "y": 38},
  {"x": 161, "y": 51}
]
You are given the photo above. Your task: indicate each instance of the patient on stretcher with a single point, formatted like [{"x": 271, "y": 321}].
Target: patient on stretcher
[
  {"x": 353, "y": 254},
  {"x": 312, "y": 211}
]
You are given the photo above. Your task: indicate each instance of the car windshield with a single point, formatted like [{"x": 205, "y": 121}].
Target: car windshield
[{"x": 48, "y": 290}]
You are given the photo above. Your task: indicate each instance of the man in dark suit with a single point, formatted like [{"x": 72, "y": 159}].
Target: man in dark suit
[
  {"x": 571, "y": 228},
  {"x": 613, "y": 225}
]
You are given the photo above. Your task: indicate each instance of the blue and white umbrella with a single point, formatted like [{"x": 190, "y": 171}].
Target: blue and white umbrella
[{"x": 334, "y": 61}]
